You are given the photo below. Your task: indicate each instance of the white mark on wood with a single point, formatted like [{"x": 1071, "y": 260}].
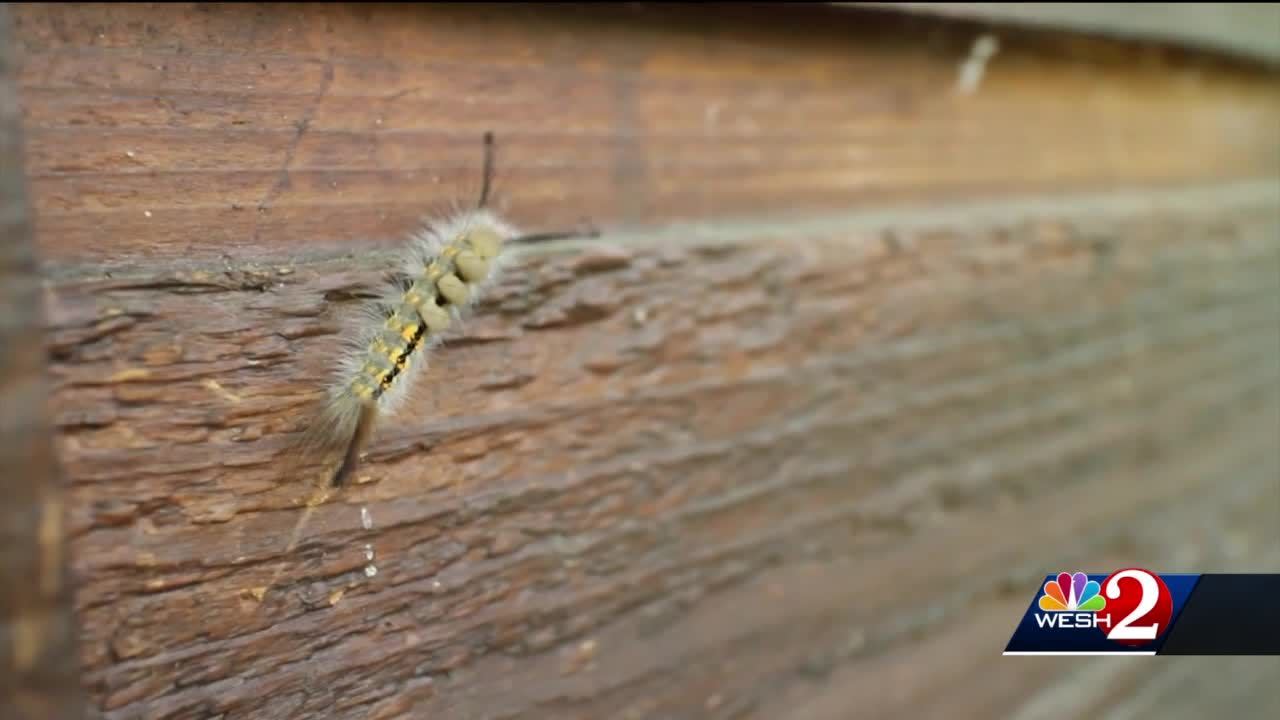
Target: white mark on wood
[
  {"x": 974, "y": 66},
  {"x": 366, "y": 520},
  {"x": 216, "y": 387},
  {"x": 711, "y": 117}
]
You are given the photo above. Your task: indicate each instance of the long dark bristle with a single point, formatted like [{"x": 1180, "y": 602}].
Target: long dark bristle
[
  {"x": 486, "y": 180},
  {"x": 550, "y": 236},
  {"x": 352, "y": 456}
]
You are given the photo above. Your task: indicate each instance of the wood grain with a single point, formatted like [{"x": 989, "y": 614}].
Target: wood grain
[
  {"x": 206, "y": 131},
  {"x": 845, "y": 424},
  {"x": 857, "y": 358}
]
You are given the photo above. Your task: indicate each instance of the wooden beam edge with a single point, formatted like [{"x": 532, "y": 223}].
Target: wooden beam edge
[
  {"x": 859, "y": 223},
  {"x": 1244, "y": 30}
]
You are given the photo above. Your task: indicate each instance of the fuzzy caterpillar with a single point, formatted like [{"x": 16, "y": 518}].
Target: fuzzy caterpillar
[{"x": 447, "y": 267}]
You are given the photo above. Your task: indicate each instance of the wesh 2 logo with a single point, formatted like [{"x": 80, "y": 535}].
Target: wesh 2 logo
[
  {"x": 1075, "y": 612},
  {"x": 1139, "y": 610}
]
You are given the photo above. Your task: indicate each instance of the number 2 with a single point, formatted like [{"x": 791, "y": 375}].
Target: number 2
[{"x": 1125, "y": 630}]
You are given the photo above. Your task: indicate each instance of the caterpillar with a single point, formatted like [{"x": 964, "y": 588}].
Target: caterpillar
[{"x": 449, "y": 264}]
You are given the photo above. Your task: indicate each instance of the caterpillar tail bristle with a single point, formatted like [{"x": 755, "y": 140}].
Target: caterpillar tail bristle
[{"x": 351, "y": 458}]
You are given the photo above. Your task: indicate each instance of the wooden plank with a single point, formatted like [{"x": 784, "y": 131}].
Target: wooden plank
[
  {"x": 858, "y": 356},
  {"x": 529, "y": 564},
  {"x": 237, "y": 129},
  {"x": 39, "y": 672}
]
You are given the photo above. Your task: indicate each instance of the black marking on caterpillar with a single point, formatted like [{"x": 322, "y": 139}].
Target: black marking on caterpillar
[{"x": 450, "y": 264}]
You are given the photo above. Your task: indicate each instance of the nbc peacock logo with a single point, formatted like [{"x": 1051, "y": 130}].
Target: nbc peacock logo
[
  {"x": 1072, "y": 601},
  {"x": 1072, "y": 593}
]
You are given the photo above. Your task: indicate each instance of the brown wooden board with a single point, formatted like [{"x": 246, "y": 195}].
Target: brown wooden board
[{"x": 167, "y": 133}]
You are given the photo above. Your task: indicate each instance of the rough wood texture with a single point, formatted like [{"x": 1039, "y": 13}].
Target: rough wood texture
[
  {"x": 39, "y": 672},
  {"x": 806, "y": 454}
]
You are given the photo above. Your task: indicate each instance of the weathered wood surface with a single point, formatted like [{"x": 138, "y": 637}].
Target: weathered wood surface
[
  {"x": 39, "y": 669},
  {"x": 807, "y": 453}
]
